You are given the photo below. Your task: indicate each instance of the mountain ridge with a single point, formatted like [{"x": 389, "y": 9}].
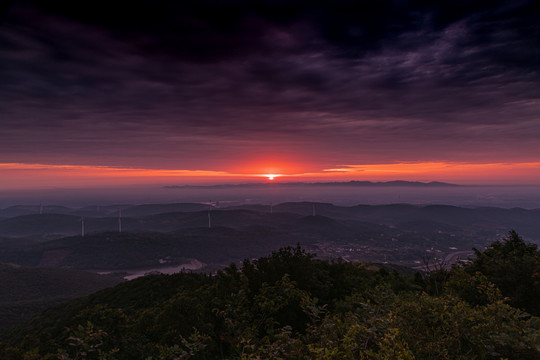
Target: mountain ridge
[{"x": 332, "y": 183}]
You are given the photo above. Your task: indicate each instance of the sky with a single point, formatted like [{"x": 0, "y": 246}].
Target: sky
[{"x": 206, "y": 91}]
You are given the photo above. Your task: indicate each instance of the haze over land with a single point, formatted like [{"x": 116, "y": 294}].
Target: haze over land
[{"x": 470, "y": 196}]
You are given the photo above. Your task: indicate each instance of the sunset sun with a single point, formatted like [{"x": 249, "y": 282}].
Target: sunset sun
[{"x": 281, "y": 179}]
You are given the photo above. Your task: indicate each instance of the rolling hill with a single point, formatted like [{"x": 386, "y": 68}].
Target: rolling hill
[{"x": 26, "y": 291}]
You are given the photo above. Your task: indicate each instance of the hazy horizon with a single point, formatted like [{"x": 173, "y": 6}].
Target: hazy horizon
[{"x": 507, "y": 196}]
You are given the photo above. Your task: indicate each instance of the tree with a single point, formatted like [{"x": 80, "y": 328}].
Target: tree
[{"x": 514, "y": 267}]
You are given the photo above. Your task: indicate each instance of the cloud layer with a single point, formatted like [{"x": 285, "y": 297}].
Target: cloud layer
[{"x": 212, "y": 85}]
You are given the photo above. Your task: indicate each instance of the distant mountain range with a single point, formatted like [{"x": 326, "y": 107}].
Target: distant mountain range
[
  {"x": 398, "y": 233},
  {"x": 333, "y": 183},
  {"x": 45, "y": 244}
]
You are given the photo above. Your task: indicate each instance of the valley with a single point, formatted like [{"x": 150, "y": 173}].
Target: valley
[{"x": 129, "y": 241}]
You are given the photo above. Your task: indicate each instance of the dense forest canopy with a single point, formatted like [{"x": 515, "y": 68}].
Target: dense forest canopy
[{"x": 290, "y": 305}]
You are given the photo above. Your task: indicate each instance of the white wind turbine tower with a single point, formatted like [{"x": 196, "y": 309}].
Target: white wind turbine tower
[
  {"x": 82, "y": 226},
  {"x": 120, "y": 220},
  {"x": 209, "y": 221}
]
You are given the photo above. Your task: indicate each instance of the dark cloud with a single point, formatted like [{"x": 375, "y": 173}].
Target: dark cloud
[{"x": 175, "y": 84}]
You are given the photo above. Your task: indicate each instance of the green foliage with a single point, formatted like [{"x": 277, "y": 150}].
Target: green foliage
[
  {"x": 514, "y": 267},
  {"x": 434, "y": 281},
  {"x": 25, "y": 292},
  {"x": 188, "y": 349},
  {"x": 284, "y": 306},
  {"x": 86, "y": 342},
  {"x": 448, "y": 328},
  {"x": 474, "y": 288}
]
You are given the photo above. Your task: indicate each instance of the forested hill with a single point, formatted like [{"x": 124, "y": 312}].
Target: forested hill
[
  {"x": 26, "y": 291},
  {"x": 290, "y": 305}
]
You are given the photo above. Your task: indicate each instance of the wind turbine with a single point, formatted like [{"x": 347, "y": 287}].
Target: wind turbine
[
  {"x": 120, "y": 220},
  {"x": 82, "y": 226}
]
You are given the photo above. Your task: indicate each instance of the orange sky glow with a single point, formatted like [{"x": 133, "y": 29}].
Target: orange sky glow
[
  {"x": 274, "y": 95},
  {"x": 21, "y": 176}
]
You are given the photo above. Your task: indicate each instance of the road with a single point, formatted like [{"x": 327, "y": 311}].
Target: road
[
  {"x": 448, "y": 261},
  {"x": 454, "y": 257}
]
